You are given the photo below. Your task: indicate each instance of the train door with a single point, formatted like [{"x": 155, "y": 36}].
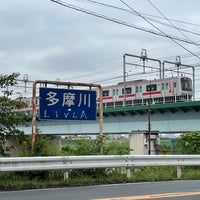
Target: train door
[
  {"x": 163, "y": 92},
  {"x": 115, "y": 93},
  {"x": 138, "y": 95},
  {"x": 174, "y": 89}
]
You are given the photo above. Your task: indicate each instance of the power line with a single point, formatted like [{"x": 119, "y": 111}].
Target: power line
[
  {"x": 144, "y": 14},
  {"x": 97, "y": 73},
  {"x": 122, "y": 22},
  {"x": 166, "y": 35},
  {"x": 170, "y": 22},
  {"x": 132, "y": 11},
  {"x": 168, "y": 25}
]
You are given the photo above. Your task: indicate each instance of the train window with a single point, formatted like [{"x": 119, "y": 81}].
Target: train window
[
  {"x": 163, "y": 86},
  {"x": 136, "y": 89},
  {"x": 140, "y": 89},
  {"x": 28, "y": 112},
  {"x": 128, "y": 90},
  {"x": 115, "y": 92},
  {"x": 166, "y": 86},
  {"x": 105, "y": 93},
  {"x": 152, "y": 87},
  {"x": 174, "y": 84},
  {"x": 186, "y": 84}
]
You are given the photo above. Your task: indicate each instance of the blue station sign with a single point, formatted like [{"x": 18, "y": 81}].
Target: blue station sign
[{"x": 67, "y": 104}]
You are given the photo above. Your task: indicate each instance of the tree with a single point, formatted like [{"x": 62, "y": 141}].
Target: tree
[
  {"x": 10, "y": 117},
  {"x": 44, "y": 145},
  {"x": 190, "y": 143}
]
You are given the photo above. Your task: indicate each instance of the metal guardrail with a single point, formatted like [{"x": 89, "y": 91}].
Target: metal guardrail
[{"x": 66, "y": 163}]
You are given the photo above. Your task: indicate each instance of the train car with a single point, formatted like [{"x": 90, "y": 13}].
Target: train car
[
  {"x": 141, "y": 92},
  {"x": 28, "y": 108}
]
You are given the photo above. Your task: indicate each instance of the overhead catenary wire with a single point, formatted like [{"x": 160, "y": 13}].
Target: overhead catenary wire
[
  {"x": 114, "y": 70},
  {"x": 147, "y": 16},
  {"x": 180, "y": 31},
  {"x": 96, "y": 73},
  {"x": 105, "y": 80},
  {"x": 166, "y": 35},
  {"x": 106, "y": 72},
  {"x": 132, "y": 11},
  {"x": 122, "y": 22}
]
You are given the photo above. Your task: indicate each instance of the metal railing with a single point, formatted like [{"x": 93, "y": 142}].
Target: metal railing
[
  {"x": 197, "y": 95},
  {"x": 152, "y": 100},
  {"x": 66, "y": 163}
]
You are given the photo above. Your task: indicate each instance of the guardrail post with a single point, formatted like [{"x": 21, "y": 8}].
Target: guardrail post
[
  {"x": 179, "y": 174},
  {"x": 66, "y": 175},
  {"x": 128, "y": 172}
]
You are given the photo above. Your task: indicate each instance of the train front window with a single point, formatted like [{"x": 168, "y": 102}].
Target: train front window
[{"x": 186, "y": 84}]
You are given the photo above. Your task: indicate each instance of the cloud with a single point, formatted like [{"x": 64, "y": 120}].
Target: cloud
[{"x": 48, "y": 41}]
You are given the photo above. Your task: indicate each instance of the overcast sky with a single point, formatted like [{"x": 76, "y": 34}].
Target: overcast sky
[{"x": 47, "y": 41}]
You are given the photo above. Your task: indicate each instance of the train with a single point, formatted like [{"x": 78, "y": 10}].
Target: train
[
  {"x": 143, "y": 92},
  {"x": 139, "y": 92}
]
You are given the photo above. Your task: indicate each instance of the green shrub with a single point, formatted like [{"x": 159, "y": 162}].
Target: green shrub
[
  {"x": 44, "y": 146},
  {"x": 116, "y": 147},
  {"x": 190, "y": 143},
  {"x": 81, "y": 146}
]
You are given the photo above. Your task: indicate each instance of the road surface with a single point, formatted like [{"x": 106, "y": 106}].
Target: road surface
[{"x": 176, "y": 190}]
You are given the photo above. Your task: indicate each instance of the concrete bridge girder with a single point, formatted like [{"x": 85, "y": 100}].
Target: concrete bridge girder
[{"x": 178, "y": 121}]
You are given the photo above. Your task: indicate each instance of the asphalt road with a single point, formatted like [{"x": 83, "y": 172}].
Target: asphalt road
[{"x": 176, "y": 190}]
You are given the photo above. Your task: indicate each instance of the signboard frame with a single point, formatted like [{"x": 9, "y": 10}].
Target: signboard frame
[{"x": 69, "y": 84}]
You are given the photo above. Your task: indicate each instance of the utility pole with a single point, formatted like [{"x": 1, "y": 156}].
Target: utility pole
[
  {"x": 25, "y": 79},
  {"x": 179, "y": 66},
  {"x": 143, "y": 57},
  {"x": 149, "y": 128},
  {"x": 149, "y": 122}
]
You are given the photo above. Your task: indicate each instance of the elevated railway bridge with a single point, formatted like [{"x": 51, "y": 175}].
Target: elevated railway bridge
[{"x": 176, "y": 117}]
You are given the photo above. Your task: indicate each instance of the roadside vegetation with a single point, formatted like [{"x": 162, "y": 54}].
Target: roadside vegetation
[
  {"x": 81, "y": 146},
  {"x": 188, "y": 143}
]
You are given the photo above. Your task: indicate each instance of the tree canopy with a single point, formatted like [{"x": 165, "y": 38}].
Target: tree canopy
[
  {"x": 190, "y": 143},
  {"x": 10, "y": 117}
]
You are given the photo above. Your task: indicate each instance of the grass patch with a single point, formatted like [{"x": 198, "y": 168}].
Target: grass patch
[
  {"x": 153, "y": 174},
  {"x": 191, "y": 173},
  {"x": 48, "y": 179}
]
